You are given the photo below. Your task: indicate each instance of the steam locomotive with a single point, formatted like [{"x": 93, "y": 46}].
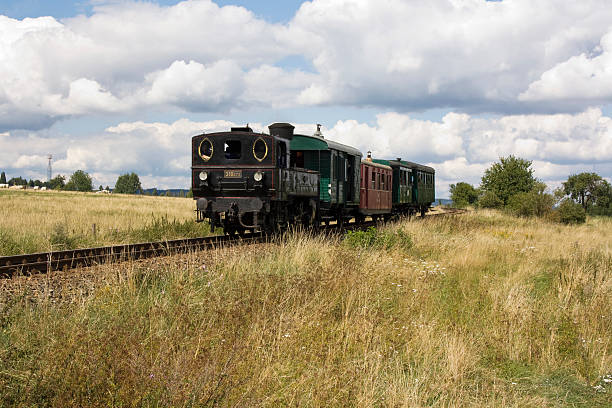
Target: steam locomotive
[{"x": 244, "y": 180}]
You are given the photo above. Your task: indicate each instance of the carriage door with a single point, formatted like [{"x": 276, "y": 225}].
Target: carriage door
[
  {"x": 350, "y": 178},
  {"x": 341, "y": 178}
]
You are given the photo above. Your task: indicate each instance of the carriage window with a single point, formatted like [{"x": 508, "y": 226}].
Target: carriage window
[
  {"x": 373, "y": 180},
  {"x": 382, "y": 182},
  {"x": 232, "y": 149}
]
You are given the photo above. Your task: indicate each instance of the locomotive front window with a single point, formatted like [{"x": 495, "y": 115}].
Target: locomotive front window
[
  {"x": 206, "y": 149},
  {"x": 233, "y": 149},
  {"x": 260, "y": 149}
]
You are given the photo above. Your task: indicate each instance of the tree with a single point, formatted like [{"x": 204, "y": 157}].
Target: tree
[
  {"x": 100, "y": 188},
  {"x": 154, "y": 192},
  {"x": 462, "y": 194},
  {"x": 31, "y": 183},
  {"x": 79, "y": 181},
  {"x": 128, "y": 184},
  {"x": 58, "y": 182},
  {"x": 17, "y": 181},
  {"x": 510, "y": 176},
  {"x": 2, "y": 178},
  {"x": 190, "y": 193},
  {"x": 603, "y": 199},
  {"x": 583, "y": 188}
]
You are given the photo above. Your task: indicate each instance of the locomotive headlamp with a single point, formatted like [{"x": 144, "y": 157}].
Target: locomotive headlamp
[
  {"x": 203, "y": 176},
  {"x": 258, "y": 176}
]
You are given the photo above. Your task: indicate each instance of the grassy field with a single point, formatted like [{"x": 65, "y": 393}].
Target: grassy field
[
  {"x": 33, "y": 221},
  {"x": 477, "y": 310}
]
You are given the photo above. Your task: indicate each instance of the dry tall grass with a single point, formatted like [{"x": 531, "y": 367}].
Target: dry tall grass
[
  {"x": 52, "y": 220},
  {"x": 482, "y": 310}
]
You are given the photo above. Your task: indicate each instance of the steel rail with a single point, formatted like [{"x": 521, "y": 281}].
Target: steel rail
[{"x": 44, "y": 262}]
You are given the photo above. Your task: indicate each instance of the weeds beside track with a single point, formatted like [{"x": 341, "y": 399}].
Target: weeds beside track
[{"x": 76, "y": 258}]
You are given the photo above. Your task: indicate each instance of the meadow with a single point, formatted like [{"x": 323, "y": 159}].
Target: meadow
[
  {"x": 36, "y": 221},
  {"x": 481, "y": 309}
]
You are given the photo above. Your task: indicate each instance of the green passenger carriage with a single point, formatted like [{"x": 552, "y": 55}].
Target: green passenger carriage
[
  {"x": 413, "y": 186},
  {"x": 338, "y": 166}
]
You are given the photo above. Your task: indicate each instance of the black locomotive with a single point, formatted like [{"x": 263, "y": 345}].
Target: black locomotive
[{"x": 243, "y": 180}]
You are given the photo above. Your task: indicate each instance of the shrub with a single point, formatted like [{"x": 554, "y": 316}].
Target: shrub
[
  {"x": 533, "y": 203},
  {"x": 490, "y": 200},
  {"x": 522, "y": 205},
  {"x": 571, "y": 212}
]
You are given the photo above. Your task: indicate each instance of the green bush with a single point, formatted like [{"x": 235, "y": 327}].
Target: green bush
[
  {"x": 533, "y": 203},
  {"x": 571, "y": 212},
  {"x": 522, "y": 205},
  {"x": 490, "y": 200},
  {"x": 379, "y": 239}
]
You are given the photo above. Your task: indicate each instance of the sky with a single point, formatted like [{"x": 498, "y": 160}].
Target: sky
[{"x": 119, "y": 86}]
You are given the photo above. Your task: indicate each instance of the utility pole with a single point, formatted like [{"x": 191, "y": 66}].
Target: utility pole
[{"x": 49, "y": 171}]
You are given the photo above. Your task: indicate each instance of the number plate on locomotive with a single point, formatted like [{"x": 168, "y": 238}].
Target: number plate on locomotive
[{"x": 232, "y": 173}]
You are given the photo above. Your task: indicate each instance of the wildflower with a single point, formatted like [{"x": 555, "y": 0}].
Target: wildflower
[
  {"x": 599, "y": 388},
  {"x": 287, "y": 335}
]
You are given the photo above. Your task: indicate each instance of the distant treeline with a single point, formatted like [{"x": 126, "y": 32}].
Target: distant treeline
[{"x": 80, "y": 180}]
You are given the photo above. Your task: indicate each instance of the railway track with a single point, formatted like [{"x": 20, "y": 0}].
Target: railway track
[{"x": 77, "y": 258}]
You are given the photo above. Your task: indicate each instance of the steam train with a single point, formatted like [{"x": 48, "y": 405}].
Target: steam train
[{"x": 243, "y": 180}]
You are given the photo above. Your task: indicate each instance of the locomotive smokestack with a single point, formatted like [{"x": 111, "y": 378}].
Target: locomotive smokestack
[
  {"x": 318, "y": 132},
  {"x": 282, "y": 130}
]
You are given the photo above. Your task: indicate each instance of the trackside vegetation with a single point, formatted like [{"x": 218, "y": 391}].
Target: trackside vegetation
[
  {"x": 479, "y": 310},
  {"x": 511, "y": 185}
]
